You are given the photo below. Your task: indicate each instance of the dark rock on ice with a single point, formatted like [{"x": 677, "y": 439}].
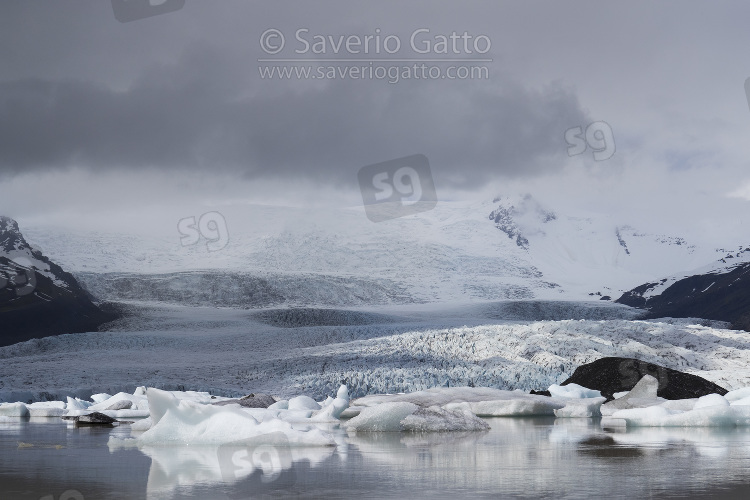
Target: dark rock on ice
[
  {"x": 541, "y": 393},
  {"x": 250, "y": 401},
  {"x": 94, "y": 418},
  {"x": 611, "y": 375}
]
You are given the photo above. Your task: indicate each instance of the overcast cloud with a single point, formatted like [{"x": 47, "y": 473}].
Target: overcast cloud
[{"x": 90, "y": 103}]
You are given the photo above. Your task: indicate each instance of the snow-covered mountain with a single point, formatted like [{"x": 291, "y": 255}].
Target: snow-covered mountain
[
  {"x": 719, "y": 291},
  {"x": 512, "y": 248},
  {"x": 37, "y": 297}
]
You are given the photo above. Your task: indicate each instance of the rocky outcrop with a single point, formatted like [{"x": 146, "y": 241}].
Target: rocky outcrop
[
  {"x": 37, "y": 297},
  {"x": 611, "y": 375}
]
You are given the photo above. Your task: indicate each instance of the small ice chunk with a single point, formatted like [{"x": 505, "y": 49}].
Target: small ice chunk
[
  {"x": 581, "y": 408},
  {"x": 98, "y": 398},
  {"x": 351, "y": 412},
  {"x": 343, "y": 393},
  {"x": 120, "y": 401},
  {"x": 139, "y": 391},
  {"x": 738, "y": 394},
  {"x": 382, "y": 417},
  {"x": 74, "y": 404},
  {"x": 642, "y": 395},
  {"x": 281, "y": 404},
  {"x": 14, "y": 410},
  {"x": 303, "y": 403},
  {"x": 618, "y": 395},
  {"x": 708, "y": 416},
  {"x": 122, "y": 404},
  {"x": 573, "y": 391},
  {"x": 141, "y": 425},
  {"x": 46, "y": 409},
  {"x": 710, "y": 400}
]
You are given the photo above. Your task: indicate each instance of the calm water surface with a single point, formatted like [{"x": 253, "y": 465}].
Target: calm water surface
[{"x": 531, "y": 458}]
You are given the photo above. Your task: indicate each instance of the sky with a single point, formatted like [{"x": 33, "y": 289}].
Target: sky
[{"x": 104, "y": 122}]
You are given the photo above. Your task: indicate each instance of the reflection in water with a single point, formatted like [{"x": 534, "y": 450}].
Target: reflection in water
[
  {"x": 530, "y": 457},
  {"x": 256, "y": 468}
]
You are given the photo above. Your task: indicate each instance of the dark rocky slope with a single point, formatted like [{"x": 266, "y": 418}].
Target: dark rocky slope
[
  {"x": 722, "y": 296},
  {"x": 37, "y": 297}
]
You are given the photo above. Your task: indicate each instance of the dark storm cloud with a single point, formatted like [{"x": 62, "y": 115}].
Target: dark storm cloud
[
  {"x": 182, "y": 92},
  {"x": 196, "y": 114}
]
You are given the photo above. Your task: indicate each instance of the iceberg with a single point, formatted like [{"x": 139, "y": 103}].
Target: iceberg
[
  {"x": 642, "y": 395},
  {"x": 182, "y": 422},
  {"x": 481, "y": 401},
  {"x": 405, "y": 416},
  {"x": 573, "y": 391},
  {"x": 13, "y": 410},
  {"x": 516, "y": 407},
  {"x": 581, "y": 408}
]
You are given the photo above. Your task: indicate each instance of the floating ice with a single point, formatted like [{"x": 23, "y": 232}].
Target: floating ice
[
  {"x": 710, "y": 400},
  {"x": 707, "y": 416},
  {"x": 436, "y": 419},
  {"x": 573, "y": 391},
  {"x": 14, "y": 410},
  {"x": 141, "y": 425},
  {"x": 46, "y": 409},
  {"x": 441, "y": 396},
  {"x": 186, "y": 422},
  {"x": 738, "y": 394},
  {"x": 642, "y": 395},
  {"x": 405, "y": 416},
  {"x": 581, "y": 408},
  {"x": 303, "y": 403},
  {"x": 382, "y": 417},
  {"x": 98, "y": 398},
  {"x": 741, "y": 402},
  {"x": 333, "y": 408},
  {"x": 526, "y": 407}
]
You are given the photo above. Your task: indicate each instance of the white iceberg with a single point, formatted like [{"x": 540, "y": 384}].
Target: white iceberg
[
  {"x": 573, "y": 391},
  {"x": 405, "y": 416},
  {"x": 46, "y": 409},
  {"x": 643, "y": 395},
  {"x": 303, "y": 403},
  {"x": 516, "y": 407},
  {"x": 711, "y": 416},
  {"x": 436, "y": 419},
  {"x": 581, "y": 408},
  {"x": 333, "y": 407},
  {"x": 181, "y": 422},
  {"x": 497, "y": 402},
  {"x": 738, "y": 394},
  {"x": 13, "y": 410},
  {"x": 384, "y": 417}
]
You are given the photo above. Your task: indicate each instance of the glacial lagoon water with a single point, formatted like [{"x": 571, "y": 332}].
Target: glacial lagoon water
[{"x": 46, "y": 458}]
